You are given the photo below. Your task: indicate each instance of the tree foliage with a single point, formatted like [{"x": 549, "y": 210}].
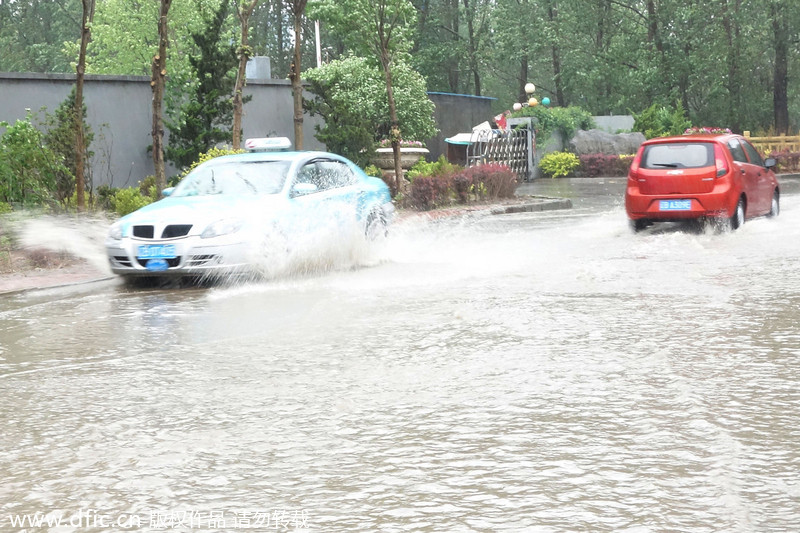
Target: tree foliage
[
  {"x": 350, "y": 94},
  {"x": 728, "y": 62},
  {"x": 29, "y": 170},
  {"x": 59, "y": 136},
  {"x": 205, "y": 109}
]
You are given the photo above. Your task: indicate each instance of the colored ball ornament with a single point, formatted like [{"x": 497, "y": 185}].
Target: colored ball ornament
[
  {"x": 533, "y": 102},
  {"x": 545, "y": 101}
]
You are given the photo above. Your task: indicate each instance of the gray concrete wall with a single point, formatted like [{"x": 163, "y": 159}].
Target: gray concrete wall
[
  {"x": 456, "y": 113},
  {"x": 614, "y": 123},
  {"x": 119, "y": 112}
]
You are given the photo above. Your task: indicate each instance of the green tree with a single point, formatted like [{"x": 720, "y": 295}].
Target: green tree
[
  {"x": 59, "y": 137},
  {"x": 32, "y": 33},
  {"x": 158, "y": 69},
  {"x": 244, "y": 10},
  {"x": 380, "y": 29},
  {"x": 29, "y": 170},
  {"x": 350, "y": 94},
  {"x": 204, "y": 118}
]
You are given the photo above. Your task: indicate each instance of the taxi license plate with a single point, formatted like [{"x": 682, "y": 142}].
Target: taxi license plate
[
  {"x": 156, "y": 251},
  {"x": 675, "y": 205}
]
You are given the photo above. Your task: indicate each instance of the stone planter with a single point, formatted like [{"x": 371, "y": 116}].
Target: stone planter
[{"x": 384, "y": 157}]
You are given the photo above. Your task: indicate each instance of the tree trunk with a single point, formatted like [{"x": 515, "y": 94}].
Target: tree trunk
[
  {"x": 472, "y": 44},
  {"x": 552, "y": 12},
  {"x": 730, "y": 22},
  {"x": 157, "y": 83},
  {"x": 299, "y": 7},
  {"x": 245, "y": 53},
  {"x": 453, "y": 72},
  {"x": 395, "y": 134},
  {"x": 780, "y": 98},
  {"x": 523, "y": 79},
  {"x": 80, "y": 142}
]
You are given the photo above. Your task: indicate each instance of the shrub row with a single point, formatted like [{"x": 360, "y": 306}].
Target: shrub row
[
  {"x": 483, "y": 182},
  {"x": 594, "y": 165},
  {"x": 787, "y": 160}
]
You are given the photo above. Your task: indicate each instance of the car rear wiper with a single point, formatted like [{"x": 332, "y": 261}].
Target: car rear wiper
[{"x": 668, "y": 165}]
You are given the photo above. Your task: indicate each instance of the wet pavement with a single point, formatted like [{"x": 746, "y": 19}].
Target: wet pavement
[{"x": 540, "y": 371}]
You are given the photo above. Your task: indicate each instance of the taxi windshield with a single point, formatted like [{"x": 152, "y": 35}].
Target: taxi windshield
[{"x": 235, "y": 177}]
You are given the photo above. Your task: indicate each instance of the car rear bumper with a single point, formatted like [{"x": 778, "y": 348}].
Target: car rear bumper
[{"x": 679, "y": 207}]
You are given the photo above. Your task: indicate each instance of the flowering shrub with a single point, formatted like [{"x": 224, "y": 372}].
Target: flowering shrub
[
  {"x": 428, "y": 192},
  {"x": 696, "y": 130},
  {"x": 492, "y": 180},
  {"x": 387, "y": 143},
  {"x": 482, "y": 182},
  {"x": 787, "y": 161},
  {"x": 593, "y": 165}
]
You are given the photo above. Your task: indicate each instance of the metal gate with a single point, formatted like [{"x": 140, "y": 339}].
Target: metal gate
[{"x": 514, "y": 147}]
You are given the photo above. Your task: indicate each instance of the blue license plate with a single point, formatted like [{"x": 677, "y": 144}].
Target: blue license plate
[
  {"x": 675, "y": 205},
  {"x": 156, "y": 251}
]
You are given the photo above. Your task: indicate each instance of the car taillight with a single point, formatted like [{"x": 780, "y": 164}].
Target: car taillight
[
  {"x": 634, "y": 168},
  {"x": 719, "y": 161}
]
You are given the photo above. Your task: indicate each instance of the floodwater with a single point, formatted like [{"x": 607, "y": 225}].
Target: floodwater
[{"x": 532, "y": 372}]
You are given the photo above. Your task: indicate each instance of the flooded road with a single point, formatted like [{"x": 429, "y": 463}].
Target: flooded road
[{"x": 532, "y": 372}]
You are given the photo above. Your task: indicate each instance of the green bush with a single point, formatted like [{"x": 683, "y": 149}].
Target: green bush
[
  {"x": 29, "y": 171},
  {"x": 566, "y": 120},
  {"x": 661, "y": 121},
  {"x": 372, "y": 170},
  {"x": 128, "y": 200},
  {"x": 559, "y": 164},
  {"x": 440, "y": 167}
]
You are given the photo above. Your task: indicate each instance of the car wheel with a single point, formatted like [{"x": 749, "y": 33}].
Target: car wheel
[
  {"x": 375, "y": 226},
  {"x": 638, "y": 225},
  {"x": 775, "y": 208},
  {"x": 736, "y": 221}
]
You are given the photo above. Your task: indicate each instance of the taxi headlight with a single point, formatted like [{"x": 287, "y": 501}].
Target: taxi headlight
[
  {"x": 115, "y": 231},
  {"x": 221, "y": 227}
]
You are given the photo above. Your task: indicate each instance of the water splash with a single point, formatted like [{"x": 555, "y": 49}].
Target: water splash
[{"x": 81, "y": 237}]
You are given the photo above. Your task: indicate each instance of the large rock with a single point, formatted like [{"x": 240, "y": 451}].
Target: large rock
[{"x": 602, "y": 142}]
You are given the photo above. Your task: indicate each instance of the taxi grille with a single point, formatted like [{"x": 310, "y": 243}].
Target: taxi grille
[
  {"x": 170, "y": 232},
  {"x": 176, "y": 230},
  {"x": 143, "y": 232}
]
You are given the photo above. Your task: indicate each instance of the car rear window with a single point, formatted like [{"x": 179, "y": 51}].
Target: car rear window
[{"x": 678, "y": 155}]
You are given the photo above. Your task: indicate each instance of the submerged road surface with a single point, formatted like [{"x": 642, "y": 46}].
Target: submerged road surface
[{"x": 531, "y": 372}]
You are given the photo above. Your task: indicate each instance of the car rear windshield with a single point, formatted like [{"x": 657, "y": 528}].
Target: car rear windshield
[
  {"x": 678, "y": 155},
  {"x": 235, "y": 177}
]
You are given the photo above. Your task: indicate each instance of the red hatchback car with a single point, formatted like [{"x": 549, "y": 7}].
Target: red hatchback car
[{"x": 719, "y": 177}]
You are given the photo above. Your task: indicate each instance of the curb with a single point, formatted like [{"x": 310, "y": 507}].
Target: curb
[
  {"x": 542, "y": 204},
  {"x": 31, "y": 287}
]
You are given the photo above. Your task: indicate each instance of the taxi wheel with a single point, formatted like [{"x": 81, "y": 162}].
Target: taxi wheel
[{"x": 375, "y": 226}]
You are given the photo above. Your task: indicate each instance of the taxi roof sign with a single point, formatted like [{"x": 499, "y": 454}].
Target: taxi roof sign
[{"x": 268, "y": 144}]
